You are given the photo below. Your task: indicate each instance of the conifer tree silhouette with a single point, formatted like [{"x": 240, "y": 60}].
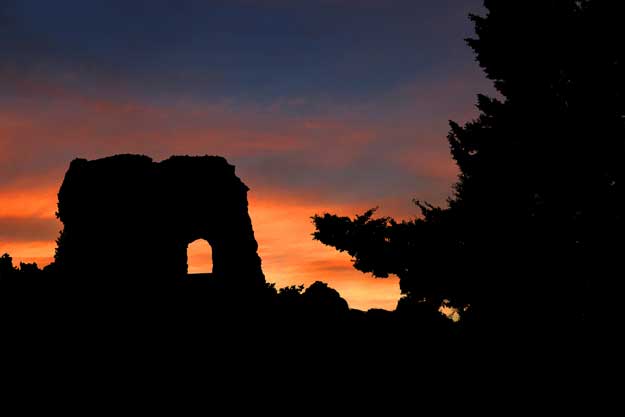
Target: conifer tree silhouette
[{"x": 531, "y": 235}]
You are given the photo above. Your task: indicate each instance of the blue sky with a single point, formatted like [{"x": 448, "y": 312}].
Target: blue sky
[{"x": 253, "y": 50}]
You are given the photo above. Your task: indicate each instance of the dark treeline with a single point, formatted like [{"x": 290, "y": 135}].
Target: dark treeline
[
  {"x": 29, "y": 293},
  {"x": 263, "y": 340}
]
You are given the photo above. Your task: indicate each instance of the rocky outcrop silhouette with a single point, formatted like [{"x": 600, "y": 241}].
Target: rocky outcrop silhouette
[{"x": 129, "y": 218}]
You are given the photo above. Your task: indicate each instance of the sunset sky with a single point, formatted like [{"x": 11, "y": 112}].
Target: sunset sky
[{"x": 322, "y": 105}]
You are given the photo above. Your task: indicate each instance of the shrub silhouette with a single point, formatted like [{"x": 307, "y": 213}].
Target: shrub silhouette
[
  {"x": 6, "y": 266},
  {"x": 323, "y": 300}
]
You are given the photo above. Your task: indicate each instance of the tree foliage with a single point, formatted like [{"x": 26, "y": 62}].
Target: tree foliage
[
  {"x": 535, "y": 222},
  {"x": 6, "y": 266}
]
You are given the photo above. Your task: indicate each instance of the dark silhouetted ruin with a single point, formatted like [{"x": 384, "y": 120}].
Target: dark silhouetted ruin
[{"x": 127, "y": 216}]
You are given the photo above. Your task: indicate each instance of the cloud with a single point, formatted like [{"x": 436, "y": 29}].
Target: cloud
[
  {"x": 28, "y": 200},
  {"x": 346, "y": 153},
  {"x": 20, "y": 229},
  {"x": 237, "y": 48}
]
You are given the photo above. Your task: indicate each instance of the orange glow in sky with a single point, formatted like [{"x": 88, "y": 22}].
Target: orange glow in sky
[
  {"x": 290, "y": 255},
  {"x": 282, "y": 227},
  {"x": 199, "y": 257}
]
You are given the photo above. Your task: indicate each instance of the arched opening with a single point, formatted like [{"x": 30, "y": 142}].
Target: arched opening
[{"x": 199, "y": 257}]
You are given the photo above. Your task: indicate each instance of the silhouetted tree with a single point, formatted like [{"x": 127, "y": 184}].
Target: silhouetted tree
[
  {"x": 291, "y": 291},
  {"x": 6, "y": 266},
  {"x": 533, "y": 231},
  {"x": 416, "y": 251},
  {"x": 29, "y": 268}
]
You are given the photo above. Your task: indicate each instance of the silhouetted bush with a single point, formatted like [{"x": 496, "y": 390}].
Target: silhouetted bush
[
  {"x": 323, "y": 300},
  {"x": 29, "y": 268}
]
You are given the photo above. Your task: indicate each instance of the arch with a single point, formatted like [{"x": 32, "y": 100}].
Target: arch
[
  {"x": 134, "y": 219},
  {"x": 199, "y": 257}
]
